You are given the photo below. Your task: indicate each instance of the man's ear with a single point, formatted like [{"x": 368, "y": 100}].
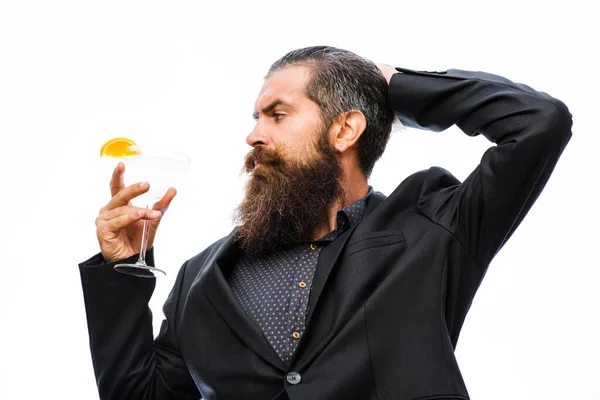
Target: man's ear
[{"x": 348, "y": 128}]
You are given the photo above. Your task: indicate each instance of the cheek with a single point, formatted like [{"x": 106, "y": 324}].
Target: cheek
[
  {"x": 296, "y": 152},
  {"x": 307, "y": 140},
  {"x": 296, "y": 140}
]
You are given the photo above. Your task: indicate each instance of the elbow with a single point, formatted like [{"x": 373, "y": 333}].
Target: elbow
[{"x": 558, "y": 122}]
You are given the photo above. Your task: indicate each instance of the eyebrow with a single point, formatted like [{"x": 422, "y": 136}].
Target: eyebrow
[{"x": 270, "y": 108}]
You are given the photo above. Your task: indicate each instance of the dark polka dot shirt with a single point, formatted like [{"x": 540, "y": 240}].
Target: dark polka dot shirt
[{"x": 275, "y": 290}]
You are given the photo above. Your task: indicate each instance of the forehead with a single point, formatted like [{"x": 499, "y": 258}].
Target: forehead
[{"x": 287, "y": 85}]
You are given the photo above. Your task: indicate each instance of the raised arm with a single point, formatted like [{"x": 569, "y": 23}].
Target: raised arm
[
  {"x": 530, "y": 130},
  {"x": 128, "y": 362}
]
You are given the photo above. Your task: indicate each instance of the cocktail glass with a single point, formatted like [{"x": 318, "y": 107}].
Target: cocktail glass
[{"x": 161, "y": 168}]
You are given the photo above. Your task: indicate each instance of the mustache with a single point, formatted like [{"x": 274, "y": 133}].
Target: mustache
[{"x": 262, "y": 155}]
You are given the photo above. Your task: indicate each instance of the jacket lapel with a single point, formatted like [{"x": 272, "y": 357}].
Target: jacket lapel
[
  {"x": 330, "y": 254},
  {"x": 223, "y": 300}
]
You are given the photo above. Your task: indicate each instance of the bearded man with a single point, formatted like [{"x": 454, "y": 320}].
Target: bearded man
[{"x": 328, "y": 289}]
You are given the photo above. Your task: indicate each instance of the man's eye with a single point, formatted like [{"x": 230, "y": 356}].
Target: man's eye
[{"x": 278, "y": 116}]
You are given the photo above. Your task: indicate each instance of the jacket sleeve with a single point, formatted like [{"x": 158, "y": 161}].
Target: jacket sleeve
[
  {"x": 530, "y": 129},
  {"x": 128, "y": 362}
]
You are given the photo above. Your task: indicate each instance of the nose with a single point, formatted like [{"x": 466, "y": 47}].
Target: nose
[{"x": 258, "y": 136}]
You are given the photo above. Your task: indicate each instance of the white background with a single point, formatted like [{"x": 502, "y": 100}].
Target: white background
[{"x": 185, "y": 74}]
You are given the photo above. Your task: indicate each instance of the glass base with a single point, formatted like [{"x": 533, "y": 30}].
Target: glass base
[{"x": 140, "y": 270}]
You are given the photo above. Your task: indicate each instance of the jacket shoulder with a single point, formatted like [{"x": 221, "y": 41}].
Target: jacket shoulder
[
  {"x": 416, "y": 188},
  {"x": 198, "y": 263},
  {"x": 199, "y": 260},
  {"x": 435, "y": 180}
]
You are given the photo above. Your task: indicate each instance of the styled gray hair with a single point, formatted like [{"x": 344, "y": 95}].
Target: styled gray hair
[{"x": 342, "y": 81}]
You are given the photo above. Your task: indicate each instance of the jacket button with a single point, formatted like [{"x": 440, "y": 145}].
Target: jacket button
[{"x": 293, "y": 377}]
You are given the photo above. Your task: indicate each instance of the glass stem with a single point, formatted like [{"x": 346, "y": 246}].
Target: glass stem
[{"x": 142, "y": 258}]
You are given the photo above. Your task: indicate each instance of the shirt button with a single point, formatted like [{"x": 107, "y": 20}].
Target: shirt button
[
  {"x": 313, "y": 246},
  {"x": 296, "y": 335},
  {"x": 301, "y": 284},
  {"x": 293, "y": 377}
]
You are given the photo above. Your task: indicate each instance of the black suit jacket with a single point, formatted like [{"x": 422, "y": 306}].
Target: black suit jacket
[{"x": 389, "y": 296}]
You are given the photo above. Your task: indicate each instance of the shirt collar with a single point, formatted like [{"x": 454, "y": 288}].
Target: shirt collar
[
  {"x": 348, "y": 217},
  {"x": 354, "y": 212}
]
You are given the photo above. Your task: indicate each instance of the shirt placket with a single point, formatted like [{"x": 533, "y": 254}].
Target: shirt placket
[{"x": 300, "y": 293}]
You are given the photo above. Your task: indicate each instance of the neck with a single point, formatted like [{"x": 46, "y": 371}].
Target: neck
[{"x": 355, "y": 188}]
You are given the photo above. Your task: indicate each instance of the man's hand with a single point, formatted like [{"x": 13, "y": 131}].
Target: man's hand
[
  {"x": 119, "y": 225},
  {"x": 387, "y": 71}
]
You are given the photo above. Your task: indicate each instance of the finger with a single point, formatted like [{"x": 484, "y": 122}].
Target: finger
[
  {"x": 117, "y": 182},
  {"x": 124, "y": 220},
  {"x": 125, "y": 195},
  {"x": 129, "y": 209},
  {"x": 162, "y": 204}
]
